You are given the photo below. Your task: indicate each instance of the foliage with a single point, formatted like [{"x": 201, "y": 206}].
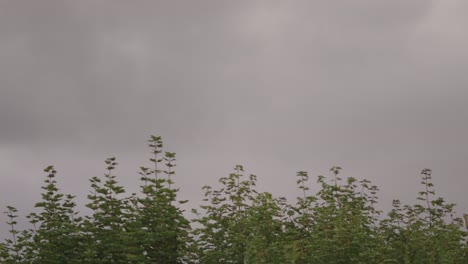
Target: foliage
[{"x": 235, "y": 224}]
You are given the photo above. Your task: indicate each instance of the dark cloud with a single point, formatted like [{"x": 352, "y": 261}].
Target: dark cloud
[{"x": 377, "y": 87}]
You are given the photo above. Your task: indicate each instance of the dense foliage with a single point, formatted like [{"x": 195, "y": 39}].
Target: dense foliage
[{"x": 235, "y": 224}]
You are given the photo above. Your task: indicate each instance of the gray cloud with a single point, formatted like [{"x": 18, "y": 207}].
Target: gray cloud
[{"x": 377, "y": 87}]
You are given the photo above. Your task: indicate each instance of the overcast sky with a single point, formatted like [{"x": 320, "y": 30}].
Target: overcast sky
[{"x": 377, "y": 87}]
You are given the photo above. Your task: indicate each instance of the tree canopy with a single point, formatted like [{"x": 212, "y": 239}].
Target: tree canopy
[{"x": 235, "y": 224}]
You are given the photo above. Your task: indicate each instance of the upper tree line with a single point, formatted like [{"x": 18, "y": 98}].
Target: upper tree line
[{"x": 235, "y": 224}]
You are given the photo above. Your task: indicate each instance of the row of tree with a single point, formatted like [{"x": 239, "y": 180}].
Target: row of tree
[{"x": 236, "y": 223}]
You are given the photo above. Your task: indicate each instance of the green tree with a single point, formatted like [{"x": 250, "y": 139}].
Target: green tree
[
  {"x": 223, "y": 231},
  {"x": 340, "y": 224},
  {"x": 107, "y": 229},
  {"x": 56, "y": 234},
  {"x": 160, "y": 230},
  {"x": 13, "y": 250},
  {"x": 267, "y": 241},
  {"x": 427, "y": 232}
]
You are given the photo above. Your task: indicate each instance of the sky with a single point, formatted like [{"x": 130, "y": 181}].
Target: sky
[{"x": 379, "y": 88}]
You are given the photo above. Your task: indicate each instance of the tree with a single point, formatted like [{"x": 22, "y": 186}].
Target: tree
[
  {"x": 107, "y": 229},
  {"x": 160, "y": 229},
  {"x": 223, "y": 232},
  {"x": 426, "y": 232}
]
